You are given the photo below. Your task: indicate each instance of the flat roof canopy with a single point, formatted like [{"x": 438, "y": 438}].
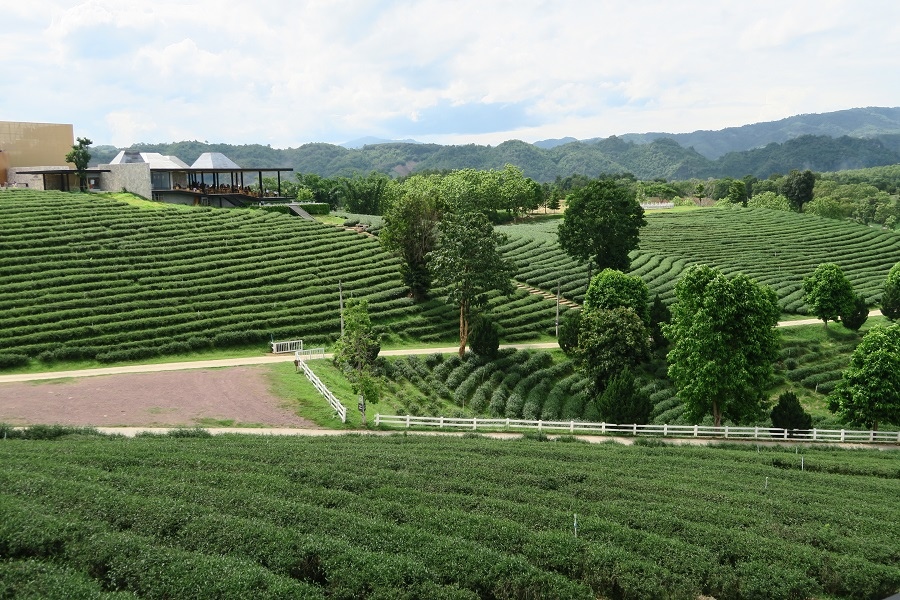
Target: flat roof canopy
[{"x": 62, "y": 172}]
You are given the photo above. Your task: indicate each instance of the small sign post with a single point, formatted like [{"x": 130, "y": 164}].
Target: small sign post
[{"x": 362, "y": 408}]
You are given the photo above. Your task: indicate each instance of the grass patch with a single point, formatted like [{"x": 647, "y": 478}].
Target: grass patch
[{"x": 299, "y": 395}]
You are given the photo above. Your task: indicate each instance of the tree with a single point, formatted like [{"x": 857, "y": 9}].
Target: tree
[
  {"x": 468, "y": 261},
  {"x": 724, "y": 342},
  {"x": 769, "y": 200},
  {"x": 569, "y": 325},
  {"x": 623, "y": 402},
  {"x": 80, "y": 156},
  {"x": 364, "y": 195},
  {"x": 737, "y": 192},
  {"x": 356, "y": 350},
  {"x": 358, "y": 346},
  {"x": 828, "y": 293},
  {"x": 858, "y": 314},
  {"x": 611, "y": 289},
  {"x": 602, "y": 222},
  {"x": 869, "y": 391},
  {"x": 890, "y": 295},
  {"x": 410, "y": 232},
  {"x": 798, "y": 187},
  {"x": 610, "y": 340},
  {"x": 659, "y": 316},
  {"x": 789, "y": 413}
]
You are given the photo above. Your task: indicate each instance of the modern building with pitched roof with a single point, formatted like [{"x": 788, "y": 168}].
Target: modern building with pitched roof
[{"x": 33, "y": 155}]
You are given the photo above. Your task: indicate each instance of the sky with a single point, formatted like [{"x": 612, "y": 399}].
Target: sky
[{"x": 286, "y": 73}]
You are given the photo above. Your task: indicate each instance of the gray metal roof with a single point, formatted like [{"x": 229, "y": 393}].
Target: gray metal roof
[
  {"x": 214, "y": 160},
  {"x": 154, "y": 159}
]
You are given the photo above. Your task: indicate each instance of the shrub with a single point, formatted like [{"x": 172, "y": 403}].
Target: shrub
[
  {"x": 11, "y": 361},
  {"x": 858, "y": 314},
  {"x": 789, "y": 413},
  {"x": 484, "y": 338},
  {"x": 497, "y": 405},
  {"x": 623, "y": 402},
  {"x": 316, "y": 208}
]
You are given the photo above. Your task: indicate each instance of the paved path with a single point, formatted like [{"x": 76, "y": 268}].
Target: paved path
[
  {"x": 279, "y": 358},
  {"x": 229, "y": 362}
]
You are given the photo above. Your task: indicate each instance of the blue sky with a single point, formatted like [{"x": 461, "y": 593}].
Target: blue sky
[{"x": 286, "y": 73}]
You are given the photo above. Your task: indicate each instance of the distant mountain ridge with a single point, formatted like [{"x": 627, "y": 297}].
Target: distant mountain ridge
[
  {"x": 855, "y": 122},
  {"x": 849, "y": 139}
]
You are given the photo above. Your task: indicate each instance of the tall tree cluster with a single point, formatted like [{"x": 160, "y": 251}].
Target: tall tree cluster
[{"x": 724, "y": 342}]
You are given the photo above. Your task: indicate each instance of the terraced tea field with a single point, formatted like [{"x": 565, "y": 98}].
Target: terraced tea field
[
  {"x": 412, "y": 516},
  {"x": 776, "y": 248},
  {"x": 91, "y": 277}
]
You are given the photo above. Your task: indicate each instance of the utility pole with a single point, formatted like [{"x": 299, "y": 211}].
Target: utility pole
[
  {"x": 557, "y": 308},
  {"x": 341, "y": 294}
]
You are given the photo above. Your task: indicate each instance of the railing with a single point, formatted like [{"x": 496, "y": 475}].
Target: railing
[
  {"x": 317, "y": 383},
  {"x": 284, "y": 347},
  {"x": 309, "y": 354},
  {"x": 697, "y": 431}
]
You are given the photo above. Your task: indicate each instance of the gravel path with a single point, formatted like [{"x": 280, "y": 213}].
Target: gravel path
[{"x": 238, "y": 396}]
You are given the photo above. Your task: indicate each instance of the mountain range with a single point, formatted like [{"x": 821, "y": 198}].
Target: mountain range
[{"x": 846, "y": 139}]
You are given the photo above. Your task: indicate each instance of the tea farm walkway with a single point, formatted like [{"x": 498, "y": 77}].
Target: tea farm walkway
[{"x": 279, "y": 358}]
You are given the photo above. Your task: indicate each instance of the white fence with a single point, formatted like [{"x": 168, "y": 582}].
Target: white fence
[
  {"x": 317, "y": 383},
  {"x": 697, "y": 431},
  {"x": 289, "y": 346},
  {"x": 309, "y": 354}
]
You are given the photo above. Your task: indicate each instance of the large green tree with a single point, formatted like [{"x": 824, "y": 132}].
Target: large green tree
[
  {"x": 869, "y": 391},
  {"x": 828, "y": 292},
  {"x": 468, "y": 261},
  {"x": 797, "y": 187},
  {"x": 601, "y": 224},
  {"x": 80, "y": 156},
  {"x": 724, "y": 342},
  {"x": 410, "y": 231},
  {"x": 890, "y": 295}
]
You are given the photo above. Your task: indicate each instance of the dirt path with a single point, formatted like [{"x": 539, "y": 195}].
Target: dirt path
[{"x": 238, "y": 396}]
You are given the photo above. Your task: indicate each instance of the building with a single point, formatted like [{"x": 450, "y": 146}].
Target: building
[
  {"x": 26, "y": 149},
  {"x": 33, "y": 155}
]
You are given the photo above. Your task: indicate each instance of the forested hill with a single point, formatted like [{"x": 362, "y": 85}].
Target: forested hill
[
  {"x": 872, "y": 122},
  {"x": 664, "y": 157}
]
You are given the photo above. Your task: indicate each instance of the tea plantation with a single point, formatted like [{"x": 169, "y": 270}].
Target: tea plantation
[
  {"x": 93, "y": 277},
  {"x": 404, "y": 517},
  {"x": 776, "y": 248}
]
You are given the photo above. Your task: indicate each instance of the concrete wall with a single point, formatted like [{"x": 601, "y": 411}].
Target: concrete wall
[
  {"x": 23, "y": 177},
  {"x": 132, "y": 177}
]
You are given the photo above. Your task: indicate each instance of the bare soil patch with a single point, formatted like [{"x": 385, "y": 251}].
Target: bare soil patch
[{"x": 236, "y": 396}]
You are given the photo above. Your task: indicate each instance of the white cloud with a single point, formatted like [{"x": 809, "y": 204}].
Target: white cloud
[{"x": 285, "y": 73}]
